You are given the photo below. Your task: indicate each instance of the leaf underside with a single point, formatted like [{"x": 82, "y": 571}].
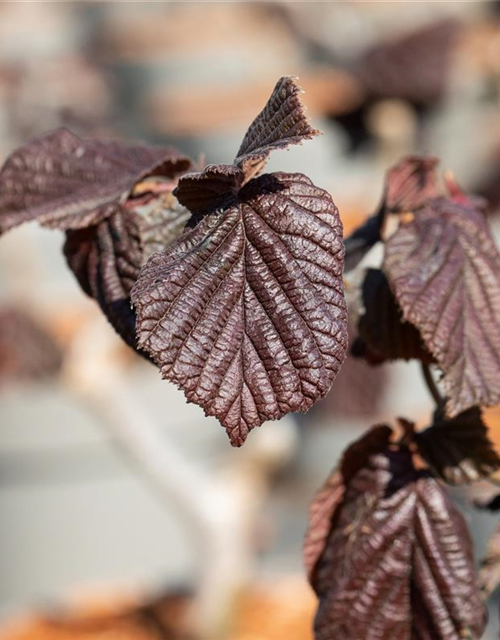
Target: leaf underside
[
  {"x": 382, "y": 332},
  {"x": 458, "y": 450},
  {"x": 65, "y": 182},
  {"x": 246, "y": 312},
  {"x": 397, "y": 559},
  {"x": 444, "y": 269},
  {"x": 106, "y": 258}
]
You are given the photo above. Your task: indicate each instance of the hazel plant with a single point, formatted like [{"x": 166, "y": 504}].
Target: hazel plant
[{"x": 231, "y": 281}]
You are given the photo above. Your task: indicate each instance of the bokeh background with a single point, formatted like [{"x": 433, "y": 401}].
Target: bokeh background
[{"x": 115, "y": 507}]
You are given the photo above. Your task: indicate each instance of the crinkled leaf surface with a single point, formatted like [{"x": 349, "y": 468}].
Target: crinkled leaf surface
[
  {"x": 329, "y": 497},
  {"x": 458, "y": 449},
  {"x": 106, "y": 258},
  {"x": 397, "y": 560},
  {"x": 66, "y": 182},
  {"x": 246, "y": 312},
  {"x": 280, "y": 124},
  {"x": 382, "y": 332},
  {"x": 444, "y": 269}
]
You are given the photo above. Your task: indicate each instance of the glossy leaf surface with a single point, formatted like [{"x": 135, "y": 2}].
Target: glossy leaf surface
[{"x": 246, "y": 311}]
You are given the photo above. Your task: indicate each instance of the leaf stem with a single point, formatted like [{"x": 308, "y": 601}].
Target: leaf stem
[{"x": 431, "y": 385}]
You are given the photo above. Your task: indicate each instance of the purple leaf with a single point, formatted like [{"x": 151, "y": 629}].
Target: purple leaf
[
  {"x": 408, "y": 185},
  {"x": 280, "y": 124},
  {"x": 69, "y": 183},
  {"x": 246, "y": 312},
  {"x": 444, "y": 269},
  {"x": 106, "y": 258},
  {"x": 391, "y": 555}
]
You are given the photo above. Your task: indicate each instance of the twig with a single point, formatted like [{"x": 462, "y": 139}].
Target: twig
[{"x": 431, "y": 385}]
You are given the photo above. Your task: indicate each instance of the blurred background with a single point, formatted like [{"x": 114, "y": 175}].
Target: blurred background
[{"x": 107, "y": 533}]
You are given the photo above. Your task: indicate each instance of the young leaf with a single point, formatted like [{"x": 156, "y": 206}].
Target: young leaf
[
  {"x": 407, "y": 186},
  {"x": 246, "y": 311},
  {"x": 458, "y": 450},
  {"x": 444, "y": 269},
  {"x": 410, "y": 183},
  {"x": 396, "y": 561},
  {"x": 69, "y": 183},
  {"x": 382, "y": 332},
  {"x": 280, "y": 124}
]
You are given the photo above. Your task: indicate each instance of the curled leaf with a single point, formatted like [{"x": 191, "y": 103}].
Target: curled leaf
[
  {"x": 280, "y": 124},
  {"x": 382, "y": 332},
  {"x": 246, "y": 311},
  {"x": 458, "y": 449},
  {"x": 65, "y": 182},
  {"x": 408, "y": 185},
  {"x": 396, "y": 561},
  {"x": 106, "y": 258},
  {"x": 444, "y": 269}
]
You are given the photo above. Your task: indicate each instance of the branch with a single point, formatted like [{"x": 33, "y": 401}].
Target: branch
[{"x": 431, "y": 385}]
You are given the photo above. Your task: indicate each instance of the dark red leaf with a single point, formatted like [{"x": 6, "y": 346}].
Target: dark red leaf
[
  {"x": 410, "y": 183},
  {"x": 391, "y": 556},
  {"x": 106, "y": 258},
  {"x": 458, "y": 449},
  {"x": 444, "y": 269},
  {"x": 331, "y": 494},
  {"x": 382, "y": 332},
  {"x": 280, "y": 124},
  {"x": 246, "y": 312},
  {"x": 69, "y": 183}
]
